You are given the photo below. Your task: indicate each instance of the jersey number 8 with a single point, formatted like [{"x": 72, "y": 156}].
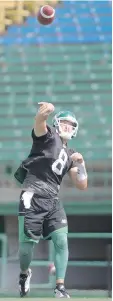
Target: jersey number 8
[{"x": 59, "y": 164}]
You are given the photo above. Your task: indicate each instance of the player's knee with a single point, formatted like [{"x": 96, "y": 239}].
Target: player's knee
[{"x": 61, "y": 241}]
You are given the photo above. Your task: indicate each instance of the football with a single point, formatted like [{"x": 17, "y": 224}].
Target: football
[{"x": 46, "y": 15}]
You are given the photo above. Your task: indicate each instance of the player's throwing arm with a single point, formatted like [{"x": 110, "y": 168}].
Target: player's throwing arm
[{"x": 45, "y": 109}]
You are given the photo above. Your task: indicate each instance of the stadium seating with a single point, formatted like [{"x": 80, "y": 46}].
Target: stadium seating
[
  {"x": 75, "y": 74},
  {"x": 15, "y": 12},
  {"x": 69, "y": 64},
  {"x": 76, "y": 21}
]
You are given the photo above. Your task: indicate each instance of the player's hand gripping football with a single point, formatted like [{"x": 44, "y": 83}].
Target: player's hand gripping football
[
  {"x": 77, "y": 157},
  {"x": 45, "y": 109}
]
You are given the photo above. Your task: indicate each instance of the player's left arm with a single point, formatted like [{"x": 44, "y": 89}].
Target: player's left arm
[{"x": 78, "y": 174}]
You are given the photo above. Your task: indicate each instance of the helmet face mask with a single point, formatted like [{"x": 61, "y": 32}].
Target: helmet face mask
[{"x": 69, "y": 121}]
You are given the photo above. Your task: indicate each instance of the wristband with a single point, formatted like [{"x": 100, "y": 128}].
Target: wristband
[{"x": 81, "y": 173}]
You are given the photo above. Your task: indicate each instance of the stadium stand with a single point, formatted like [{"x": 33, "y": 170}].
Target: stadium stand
[
  {"x": 68, "y": 63},
  {"x": 60, "y": 75},
  {"x": 71, "y": 72}
]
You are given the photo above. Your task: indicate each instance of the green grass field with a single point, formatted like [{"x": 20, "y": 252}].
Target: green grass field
[{"x": 44, "y": 295}]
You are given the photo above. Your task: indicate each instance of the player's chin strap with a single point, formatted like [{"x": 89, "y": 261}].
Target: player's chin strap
[
  {"x": 81, "y": 174},
  {"x": 65, "y": 135}
]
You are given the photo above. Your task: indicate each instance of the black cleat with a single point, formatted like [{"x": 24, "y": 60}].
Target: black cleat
[
  {"x": 60, "y": 292},
  {"x": 24, "y": 283}
]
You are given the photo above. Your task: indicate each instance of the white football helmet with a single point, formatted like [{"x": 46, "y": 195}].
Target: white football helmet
[{"x": 69, "y": 116}]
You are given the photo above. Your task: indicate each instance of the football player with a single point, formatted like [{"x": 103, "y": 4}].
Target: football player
[{"x": 40, "y": 210}]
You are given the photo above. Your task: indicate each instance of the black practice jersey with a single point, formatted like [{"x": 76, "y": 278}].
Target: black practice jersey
[{"x": 51, "y": 161}]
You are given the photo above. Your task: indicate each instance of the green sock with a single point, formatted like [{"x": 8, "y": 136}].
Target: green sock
[
  {"x": 60, "y": 241},
  {"x": 25, "y": 254}
]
